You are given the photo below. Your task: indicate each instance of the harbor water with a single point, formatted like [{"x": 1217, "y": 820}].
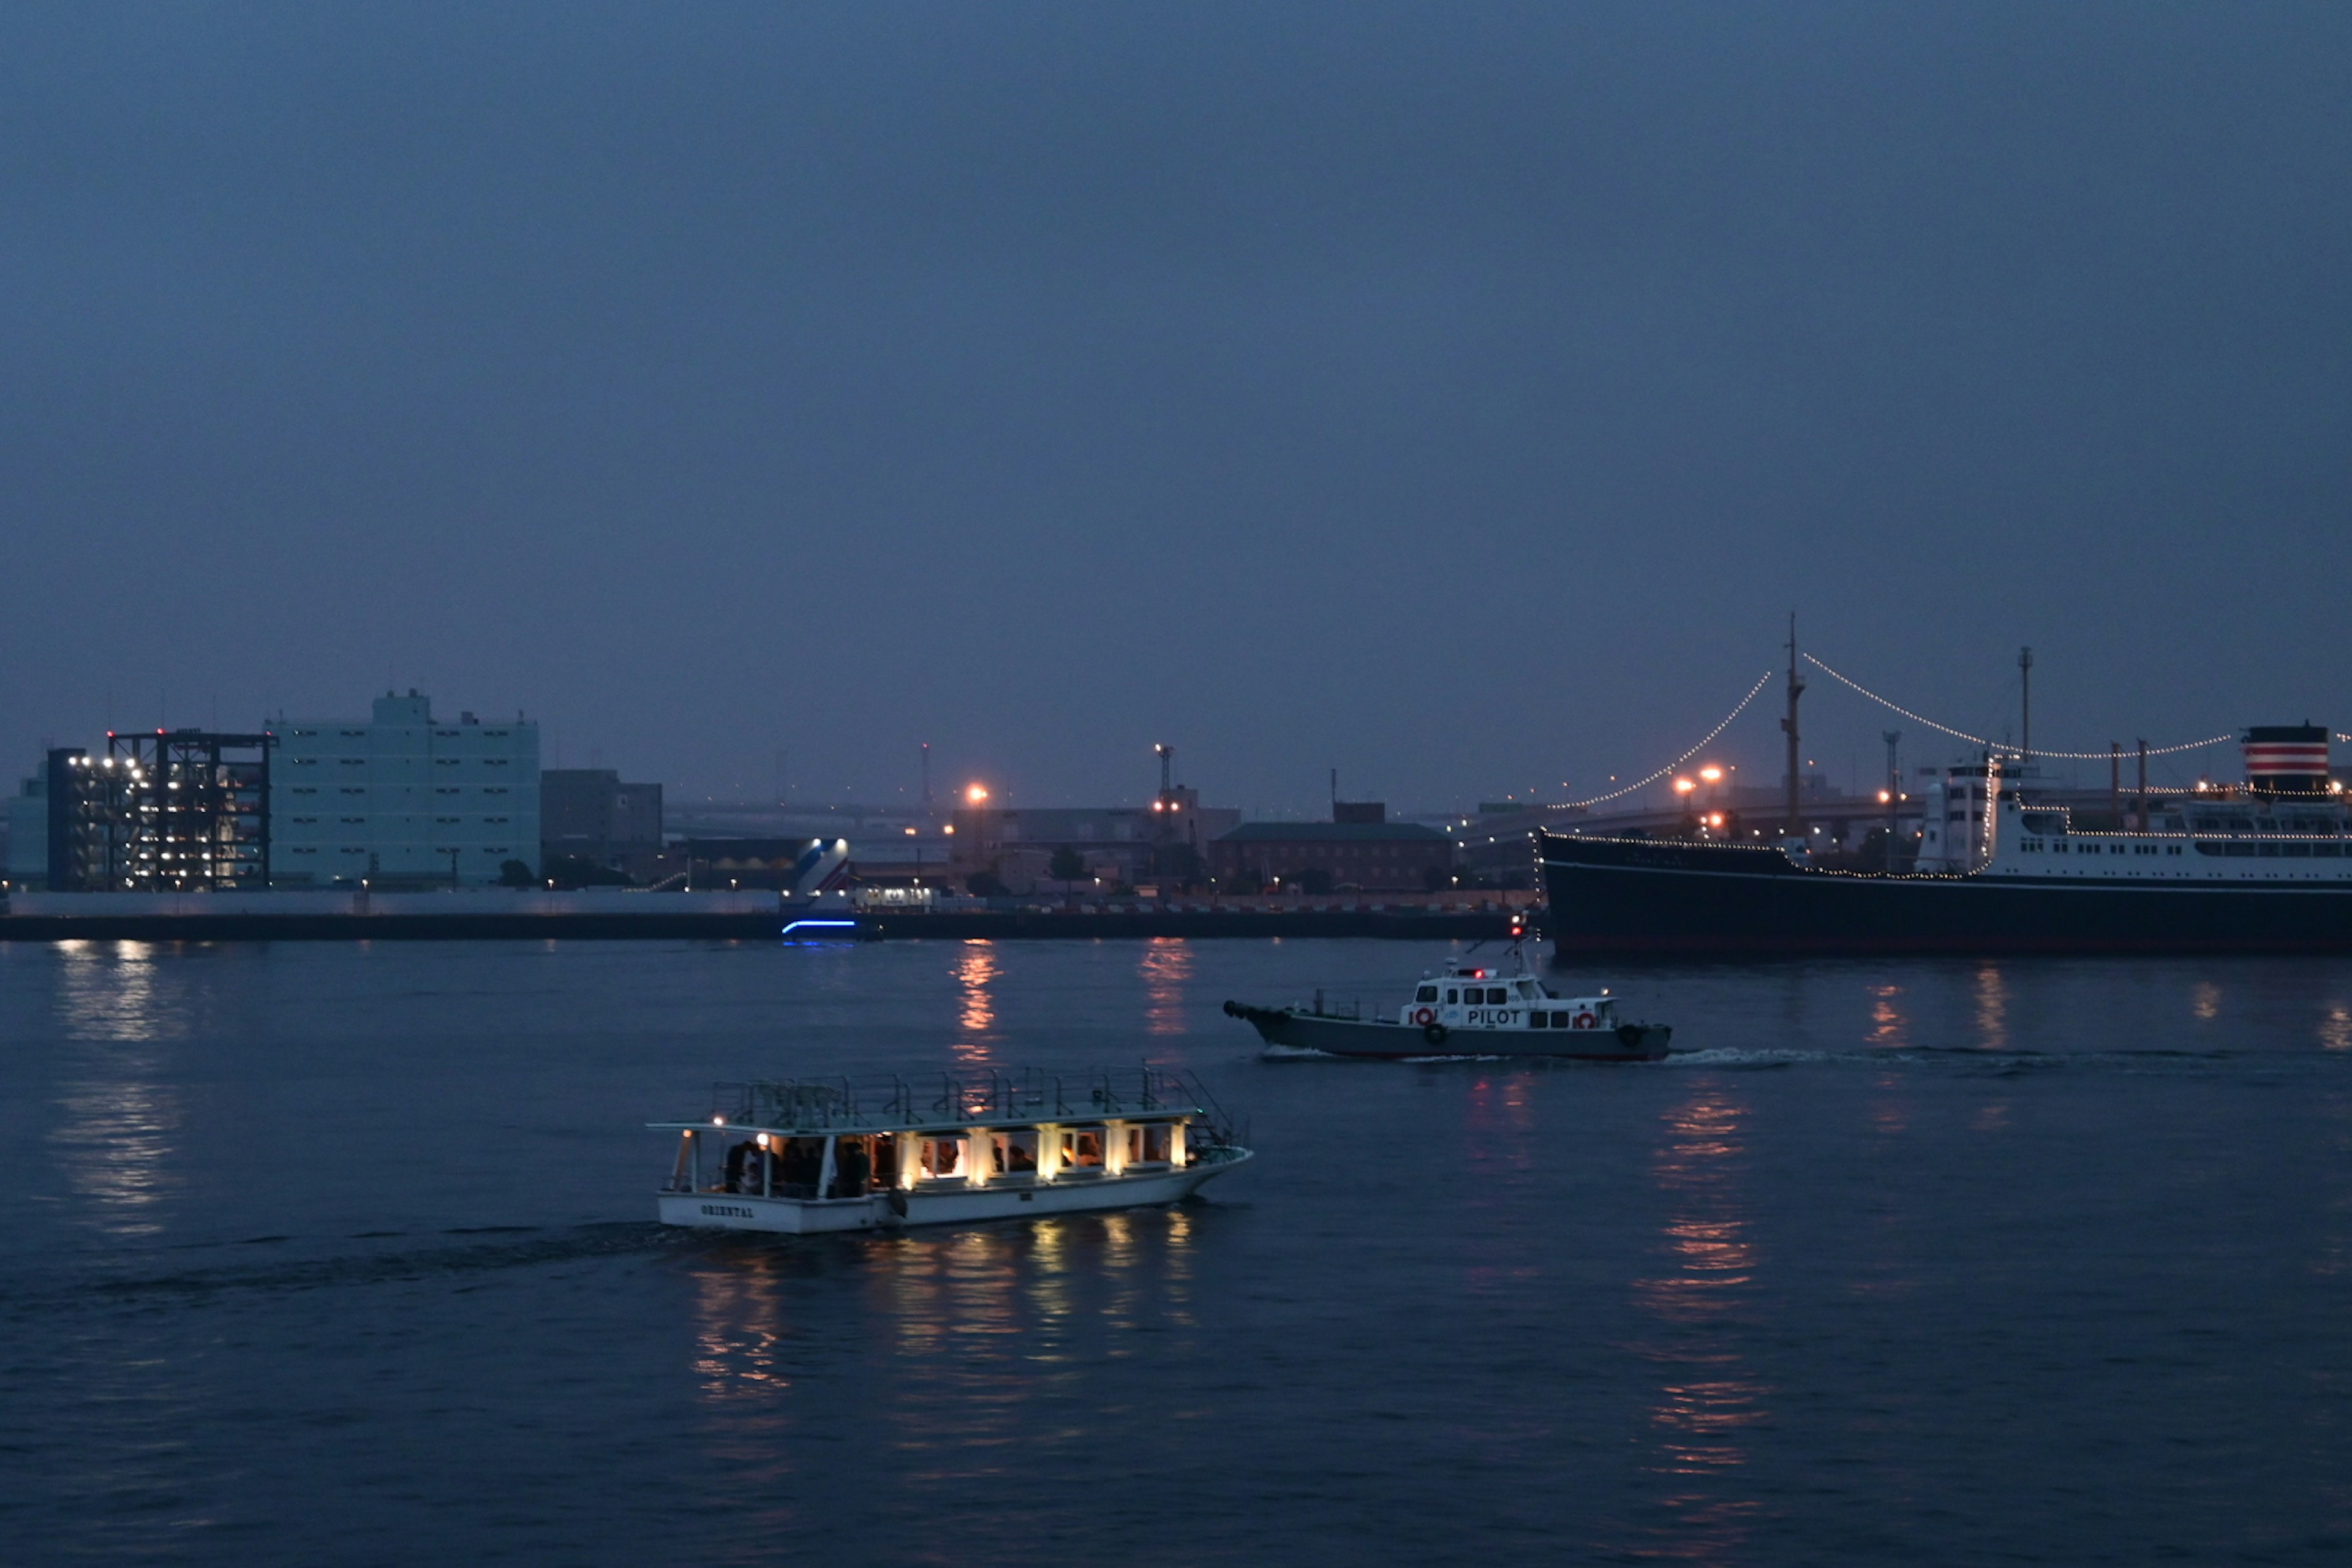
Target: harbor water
[{"x": 342, "y": 1253}]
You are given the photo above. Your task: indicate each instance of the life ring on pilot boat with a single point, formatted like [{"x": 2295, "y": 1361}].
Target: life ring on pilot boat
[
  {"x": 1583, "y": 1021},
  {"x": 1434, "y": 1033},
  {"x": 1424, "y": 1016}
]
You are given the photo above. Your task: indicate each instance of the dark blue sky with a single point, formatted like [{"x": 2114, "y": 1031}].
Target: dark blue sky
[{"x": 1460, "y": 396}]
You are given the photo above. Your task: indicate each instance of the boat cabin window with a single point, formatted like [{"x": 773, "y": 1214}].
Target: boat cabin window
[
  {"x": 1426, "y": 994},
  {"x": 1015, "y": 1153},
  {"x": 1083, "y": 1147},
  {"x": 1154, "y": 1143},
  {"x": 1450, "y": 996},
  {"x": 942, "y": 1159}
]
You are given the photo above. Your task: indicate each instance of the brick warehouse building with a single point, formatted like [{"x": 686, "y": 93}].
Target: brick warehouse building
[{"x": 1363, "y": 851}]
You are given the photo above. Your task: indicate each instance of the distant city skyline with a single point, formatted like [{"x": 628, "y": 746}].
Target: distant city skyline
[{"x": 1458, "y": 398}]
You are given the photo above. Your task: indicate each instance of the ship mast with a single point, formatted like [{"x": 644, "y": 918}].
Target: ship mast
[
  {"x": 2024, "y": 704},
  {"x": 1793, "y": 828}
]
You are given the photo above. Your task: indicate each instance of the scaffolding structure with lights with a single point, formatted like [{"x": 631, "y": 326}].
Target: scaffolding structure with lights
[{"x": 174, "y": 811}]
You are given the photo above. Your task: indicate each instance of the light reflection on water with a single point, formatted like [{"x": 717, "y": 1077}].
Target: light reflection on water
[
  {"x": 1167, "y": 965},
  {"x": 977, "y": 969},
  {"x": 114, "y": 1134},
  {"x": 1500, "y": 1117},
  {"x": 958, "y": 1337},
  {"x": 1887, "y": 1020},
  {"x": 1707, "y": 1399},
  {"x": 1993, "y": 1009}
]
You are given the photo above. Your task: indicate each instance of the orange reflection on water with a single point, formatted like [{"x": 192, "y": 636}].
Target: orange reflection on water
[
  {"x": 1707, "y": 1399},
  {"x": 976, "y": 970},
  {"x": 1888, "y": 1026},
  {"x": 2336, "y": 1029},
  {"x": 1993, "y": 1009},
  {"x": 2205, "y": 1001},
  {"x": 1167, "y": 965},
  {"x": 1886, "y": 1109}
]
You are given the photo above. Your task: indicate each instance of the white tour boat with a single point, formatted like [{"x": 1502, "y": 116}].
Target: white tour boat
[
  {"x": 797, "y": 1155},
  {"x": 1466, "y": 1010}
]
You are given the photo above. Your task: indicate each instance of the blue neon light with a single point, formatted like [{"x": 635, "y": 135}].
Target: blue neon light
[{"x": 833, "y": 925}]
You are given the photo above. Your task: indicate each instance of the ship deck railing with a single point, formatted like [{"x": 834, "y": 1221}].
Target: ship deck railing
[{"x": 895, "y": 1102}]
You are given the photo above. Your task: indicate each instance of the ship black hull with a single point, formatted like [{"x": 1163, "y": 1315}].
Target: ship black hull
[{"x": 1620, "y": 898}]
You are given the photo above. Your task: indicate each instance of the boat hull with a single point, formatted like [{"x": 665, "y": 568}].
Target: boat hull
[
  {"x": 943, "y": 1204},
  {"x": 1621, "y": 898},
  {"x": 1287, "y": 1031}
]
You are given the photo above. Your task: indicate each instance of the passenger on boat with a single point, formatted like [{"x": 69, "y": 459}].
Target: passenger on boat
[
  {"x": 852, "y": 1168},
  {"x": 739, "y": 1159},
  {"x": 798, "y": 1165}
]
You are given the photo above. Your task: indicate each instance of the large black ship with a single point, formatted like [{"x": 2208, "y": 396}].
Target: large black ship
[{"x": 2265, "y": 866}]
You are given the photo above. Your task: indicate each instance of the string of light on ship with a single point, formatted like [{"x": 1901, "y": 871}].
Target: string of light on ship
[
  {"x": 2039, "y": 751},
  {"x": 1915, "y": 718},
  {"x": 1705, "y": 742}
]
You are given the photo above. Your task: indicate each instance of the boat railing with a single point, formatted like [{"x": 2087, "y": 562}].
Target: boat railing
[
  {"x": 1335, "y": 1009},
  {"x": 851, "y": 1102}
]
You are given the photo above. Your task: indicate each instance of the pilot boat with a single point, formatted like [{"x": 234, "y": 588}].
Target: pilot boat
[
  {"x": 798, "y": 1155},
  {"x": 1464, "y": 1010}
]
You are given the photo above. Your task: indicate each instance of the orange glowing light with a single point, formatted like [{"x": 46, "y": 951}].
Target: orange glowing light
[
  {"x": 976, "y": 794},
  {"x": 1683, "y": 786},
  {"x": 1711, "y": 774}
]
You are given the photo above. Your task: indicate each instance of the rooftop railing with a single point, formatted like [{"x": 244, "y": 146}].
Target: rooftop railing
[{"x": 885, "y": 1101}]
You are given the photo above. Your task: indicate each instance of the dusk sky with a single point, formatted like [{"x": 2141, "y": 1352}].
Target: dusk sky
[{"x": 1458, "y": 395}]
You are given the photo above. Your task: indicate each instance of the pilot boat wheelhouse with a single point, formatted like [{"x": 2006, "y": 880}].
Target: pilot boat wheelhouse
[
  {"x": 796, "y": 1155},
  {"x": 1466, "y": 1010},
  {"x": 2002, "y": 866}
]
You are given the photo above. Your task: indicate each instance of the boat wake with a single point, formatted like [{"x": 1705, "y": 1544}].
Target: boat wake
[{"x": 517, "y": 1246}]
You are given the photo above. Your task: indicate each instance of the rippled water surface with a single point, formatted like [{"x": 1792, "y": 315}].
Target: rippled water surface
[{"x": 341, "y": 1253}]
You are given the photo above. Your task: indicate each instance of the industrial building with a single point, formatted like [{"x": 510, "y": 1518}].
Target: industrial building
[
  {"x": 1117, "y": 844},
  {"x": 592, "y": 814},
  {"x": 28, "y": 833},
  {"x": 403, "y": 799},
  {"x": 1360, "y": 849}
]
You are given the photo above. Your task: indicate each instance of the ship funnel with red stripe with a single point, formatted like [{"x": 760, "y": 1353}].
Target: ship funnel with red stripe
[{"x": 2287, "y": 759}]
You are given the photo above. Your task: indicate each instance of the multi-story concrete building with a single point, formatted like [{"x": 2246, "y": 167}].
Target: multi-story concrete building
[{"x": 403, "y": 800}]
